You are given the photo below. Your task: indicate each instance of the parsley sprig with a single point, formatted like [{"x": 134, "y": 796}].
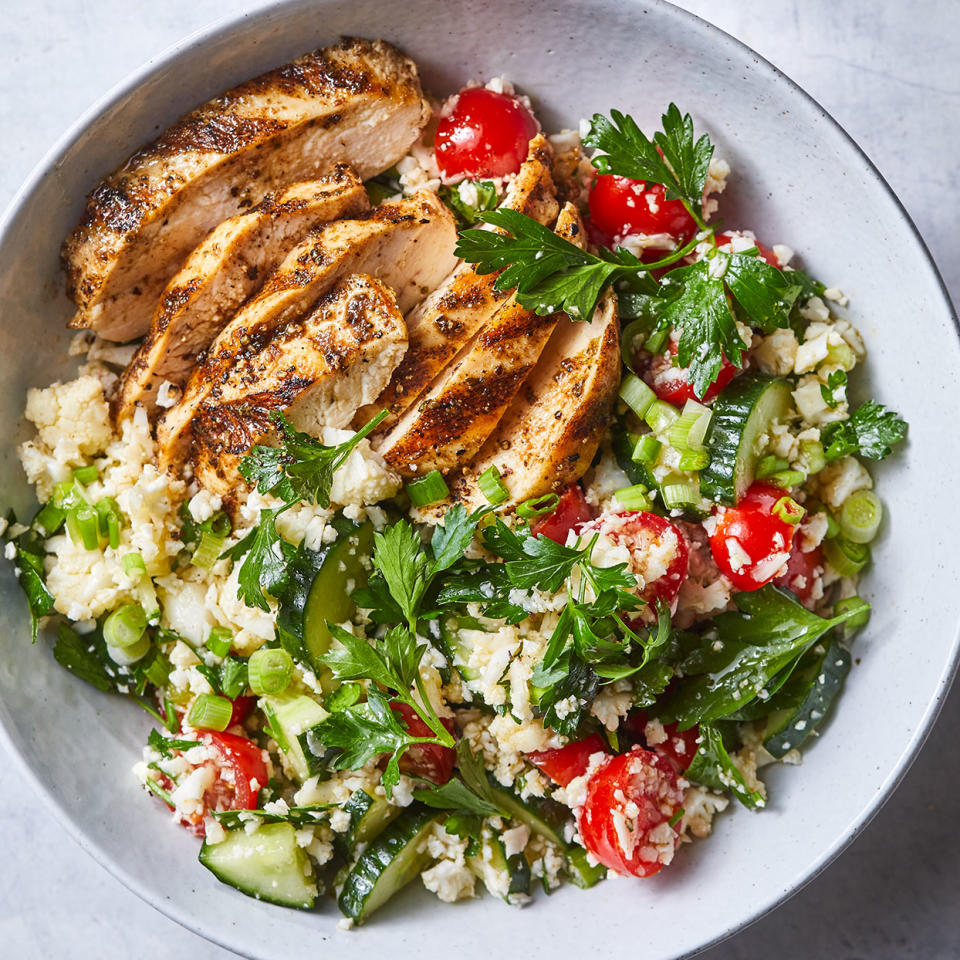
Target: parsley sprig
[
  {"x": 870, "y": 431},
  {"x": 702, "y": 300},
  {"x": 299, "y": 470}
]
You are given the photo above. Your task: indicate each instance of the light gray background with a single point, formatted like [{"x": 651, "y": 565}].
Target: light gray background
[{"x": 890, "y": 73}]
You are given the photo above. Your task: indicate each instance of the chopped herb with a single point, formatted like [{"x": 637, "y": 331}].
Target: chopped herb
[{"x": 871, "y": 431}]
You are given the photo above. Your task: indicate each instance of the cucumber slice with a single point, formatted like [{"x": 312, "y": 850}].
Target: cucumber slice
[
  {"x": 317, "y": 592},
  {"x": 292, "y": 718},
  {"x": 267, "y": 864},
  {"x": 369, "y": 816},
  {"x": 788, "y": 729},
  {"x": 503, "y": 876},
  {"x": 546, "y": 819},
  {"x": 457, "y": 648},
  {"x": 742, "y": 414},
  {"x": 390, "y": 862}
]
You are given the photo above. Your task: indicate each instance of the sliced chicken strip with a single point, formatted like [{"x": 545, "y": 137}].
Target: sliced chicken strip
[
  {"x": 317, "y": 370},
  {"x": 228, "y": 266},
  {"x": 466, "y": 301},
  {"x": 357, "y": 102},
  {"x": 451, "y": 421},
  {"x": 550, "y": 434},
  {"x": 407, "y": 244}
]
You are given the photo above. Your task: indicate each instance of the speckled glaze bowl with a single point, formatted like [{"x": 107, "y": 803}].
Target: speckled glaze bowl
[{"x": 797, "y": 179}]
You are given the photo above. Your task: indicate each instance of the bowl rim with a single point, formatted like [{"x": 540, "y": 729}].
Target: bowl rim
[{"x": 224, "y": 25}]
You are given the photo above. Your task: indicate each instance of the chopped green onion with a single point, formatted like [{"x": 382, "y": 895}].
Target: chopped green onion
[
  {"x": 833, "y": 528},
  {"x": 210, "y": 712},
  {"x": 128, "y": 655},
  {"x": 694, "y": 459},
  {"x": 788, "y": 510},
  {"x": 660, "y": 415},
  {"x": 219, "y": 640},
  {"x": 860, "y": 516},
  {"x": 157, "y": 671},
  {"x": 431, "y": 488},
  {"x": 66, "y": 494},
  {"x": 147, "y": 596},
  {"x": 125, "y": 626},
  {"x": 631, "y": 337},
  {"x": 635, "y": 497},
  {"x": 208, "y": 550},
  {"x": 492, "y": 487},
  {"x": 678, "y": 493},
  {"x": 811, "y": 459},
  {"x": 133, "y": 565},
  {"x": 647, "y": 449},
  {"x": 846, "y": 557},
  {"x": 108, "y": 520},
  {"x": 656, "y": 340},
  {"x": 158, "y": 791},
  {"x": 787, "y": 478},
  {"x": 841, "y": 354},
  {"x": 538, "y": 506},
  {"x": 50, "y": 518},
  {"x": 636, "y": 394},
  {"x": 848, "y": 603},
  {"x": 688, "y": 431},
  {"x": 269, "y": 671},
  {"x": 769, "y": 465},
  {"x": 86, "y": 474},
  {"x": 82, "y": 526},
  {"x": 273, "y": 727}
]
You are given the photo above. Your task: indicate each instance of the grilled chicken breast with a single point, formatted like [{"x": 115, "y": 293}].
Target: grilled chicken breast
[
  {"x": 549, "y": 435},
  {"x": 407, "y": 244},
  {"x": 317, "y": 370},
  {"x": 358, "y": 102},
  {"x": 228, "y": 266},
  {"x": 451, "y": 421},
  {"x": 466, "y": 301}
]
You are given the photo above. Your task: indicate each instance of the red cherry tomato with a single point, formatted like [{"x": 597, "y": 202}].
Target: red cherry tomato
[
  {"x": 570, "y": 512},
  {"x": 652, "y": 541},
  {"x": 242, "y": 708},
  {"x": 679, "y": 747},
  {"x": 625, "y": 822},
  {"x": 241, "y": 763},
  {"x": 802, "y": 572},
  {"x": 483, "y": 134},
  {"x": 430, "y": 760},
  {"x": 751, "y": 543},
  {"x": 620, "y": 206},
  {"x": 672, "y": 384},
  {"x": 765, "y": 252},
  {"x": 567, "y": 763}
]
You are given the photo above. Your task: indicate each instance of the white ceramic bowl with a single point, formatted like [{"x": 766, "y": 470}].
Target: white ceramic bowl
[{"x": 797, "y": 179}]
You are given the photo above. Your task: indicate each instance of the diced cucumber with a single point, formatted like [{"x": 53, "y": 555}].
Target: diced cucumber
[
  {"x": 318, "y": 591},
  {"x": 457, "y": 648},
  {"x": 503, "y": 876},
  {"x": 292, "y": 717},
  {"x": 369, "y": 816},
  {"x": 267, "y": 864},
  {"x": 788, "y": 729},
  {"x": 581, "y": 872},
  {"x": 742, "y": 413},
  {"x": 391, "y": 861}
]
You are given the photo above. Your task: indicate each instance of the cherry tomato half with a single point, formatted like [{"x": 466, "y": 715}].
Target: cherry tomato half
[
  {"x": 765, "y": 252},
  {"x": 621, "y": 206},
  {"x": 625, "y": 822},
  {"x": 679, "y": 747},
  {"x": 750, "y": 543},
  {"x": 803, "y": 568},
  {"x": 570, "y": 512},
  {"x": 241, "y": 763},
  {"x": 672, "y": 384},
  {"x": 658, "y": 550},
  {"x": 483, "y": 134},
  {"x": 430, "y": 760},
  {"x": 566, "y": 763}
]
